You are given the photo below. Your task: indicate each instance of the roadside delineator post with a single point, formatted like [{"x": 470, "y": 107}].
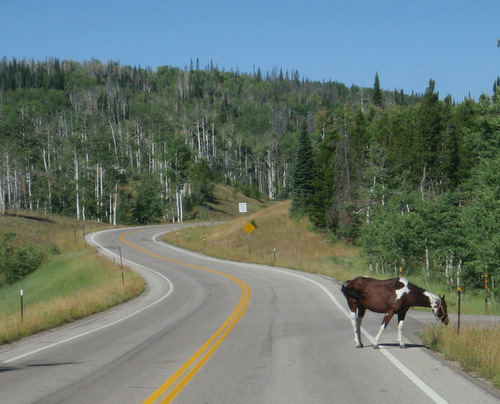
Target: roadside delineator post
[
  {"x": 22, "y": 305},
  {"x": 121, "y": 266},
  {"x": 459, "y": 291},
  {"x": 486, "y": 290}
]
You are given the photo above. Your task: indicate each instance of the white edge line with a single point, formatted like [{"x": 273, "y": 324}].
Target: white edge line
[
  {"x": 407, "y": 372},
  {"x": 170, "y": 290}
]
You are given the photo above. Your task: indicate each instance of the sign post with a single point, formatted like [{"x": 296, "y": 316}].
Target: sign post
[
  {"x": 249, "y": 227},
  {"x": 459, "y": 290},
  {"x": 121, "y": 265}
]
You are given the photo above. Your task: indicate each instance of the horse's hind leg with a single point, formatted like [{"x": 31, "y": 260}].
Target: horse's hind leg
[
  {"x": 359, "y": 319},
  {"x": 356, "y": 323}
]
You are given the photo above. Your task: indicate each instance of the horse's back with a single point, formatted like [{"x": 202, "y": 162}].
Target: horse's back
[
  {"x": 362, "y": 282},
  {"x": 376, "y": 294}
]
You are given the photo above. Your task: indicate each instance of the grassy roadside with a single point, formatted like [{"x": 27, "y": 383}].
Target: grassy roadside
[
  {"x": 277, "y": 240},
  {"x": 68, "y": 286},
  {"x": 281, "y": 241},
  {"x": 476, "y": 349}
]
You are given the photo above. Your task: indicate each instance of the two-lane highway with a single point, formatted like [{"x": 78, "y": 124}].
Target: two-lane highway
[{"x": 212, "y": 331}]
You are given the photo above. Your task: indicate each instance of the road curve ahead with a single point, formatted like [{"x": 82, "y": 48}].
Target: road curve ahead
[{"x": 212, "y": 331}]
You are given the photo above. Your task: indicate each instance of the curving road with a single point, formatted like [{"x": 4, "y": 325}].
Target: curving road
[{"x": 212, "y": 331}]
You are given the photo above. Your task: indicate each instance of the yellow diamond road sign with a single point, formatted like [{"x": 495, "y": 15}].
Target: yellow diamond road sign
[{"x": 249, "y": 228}]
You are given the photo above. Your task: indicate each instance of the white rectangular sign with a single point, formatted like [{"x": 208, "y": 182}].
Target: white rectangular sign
[{"x": 243, "y": 207}]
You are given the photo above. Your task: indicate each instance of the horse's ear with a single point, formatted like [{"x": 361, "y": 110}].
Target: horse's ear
[{"x": 443, "y": 297}]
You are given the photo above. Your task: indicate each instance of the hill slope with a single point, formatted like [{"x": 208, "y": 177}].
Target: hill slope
[{"x": 277, "y": 240}]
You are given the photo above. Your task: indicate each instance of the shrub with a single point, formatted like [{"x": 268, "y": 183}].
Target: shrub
[
  {"x": 24, "y": 261},
  {"x": 15, "y": 264}
]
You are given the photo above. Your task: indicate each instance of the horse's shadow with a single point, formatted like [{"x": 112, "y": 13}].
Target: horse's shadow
[{"x": 395, "y": 345}]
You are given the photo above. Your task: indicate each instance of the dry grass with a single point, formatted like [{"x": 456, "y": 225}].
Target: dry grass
[
  {"x": 66, "y": 233},
  {"x": 477, "y": 349},
  {"x": 64, "y": 309},
  {"x": 277, "y": 240}
]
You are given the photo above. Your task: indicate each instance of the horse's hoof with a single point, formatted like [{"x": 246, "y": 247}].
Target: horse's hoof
[
  {"x": 402, "y": 346},
  {"x": 359, "y": 346},
  {"x": 375, "y": 347}
]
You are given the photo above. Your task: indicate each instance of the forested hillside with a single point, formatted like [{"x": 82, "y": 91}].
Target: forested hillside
[{"x": 411, "y": 178}]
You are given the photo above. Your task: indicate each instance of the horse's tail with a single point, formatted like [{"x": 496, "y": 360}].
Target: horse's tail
[{"x": 351, "y": 292}]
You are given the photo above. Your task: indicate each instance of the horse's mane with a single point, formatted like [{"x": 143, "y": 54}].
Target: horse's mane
[{"x": 411, "y": 285}]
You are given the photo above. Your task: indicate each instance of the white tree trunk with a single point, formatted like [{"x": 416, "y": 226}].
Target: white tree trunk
[{"x": 77, "y": 186}]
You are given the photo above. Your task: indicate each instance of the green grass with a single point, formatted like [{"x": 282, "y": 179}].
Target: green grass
[{"x": 66, "y": 274}]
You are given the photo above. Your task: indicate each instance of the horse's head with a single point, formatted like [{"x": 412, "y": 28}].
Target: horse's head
[{"x": 441, "y": 312}]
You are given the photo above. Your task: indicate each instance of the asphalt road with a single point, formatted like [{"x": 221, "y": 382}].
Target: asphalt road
[{"x": 212, "y": 331}]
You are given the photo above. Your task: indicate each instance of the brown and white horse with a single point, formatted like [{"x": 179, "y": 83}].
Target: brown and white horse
[{"x": 391, "y": 296}]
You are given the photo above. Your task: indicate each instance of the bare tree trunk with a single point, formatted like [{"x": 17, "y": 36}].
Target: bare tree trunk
[
  {"x": 2, "y": 195},
  {"x": 178, "y": 199},
  {"x": 9, "y": 185},
  {"x": 30, "y": 192},
  {"x": 114, "y": 139},
  {"x": 77, "y": 186},
  {"x": 46, "y": 164},
  {"x": 427, "y": 259},
  {"x": 422, "y": 183},
  {"x": 271, "y": 171},
  {"x": 115, "y": 204}
]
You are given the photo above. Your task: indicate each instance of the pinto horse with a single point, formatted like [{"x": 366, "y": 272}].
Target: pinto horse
[{"x": 391, "y": 296}]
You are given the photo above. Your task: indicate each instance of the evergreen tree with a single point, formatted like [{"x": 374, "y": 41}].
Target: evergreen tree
[
  {"x": 303, "y": 174},
  {"x": 377, "y": 92},
  {"x": 496, "y": 89},
  {"x": 148, "y": 205},
  {"x": 323, "y": 185},
  {"x": 426, "y": 149}
]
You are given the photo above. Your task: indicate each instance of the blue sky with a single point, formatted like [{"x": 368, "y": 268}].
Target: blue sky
[{"x": 407, "y": 43}]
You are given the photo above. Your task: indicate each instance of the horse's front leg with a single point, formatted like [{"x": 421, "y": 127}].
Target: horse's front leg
[
  {"x": 386, "y": 320},
  {"x": 401, "y": 319}
]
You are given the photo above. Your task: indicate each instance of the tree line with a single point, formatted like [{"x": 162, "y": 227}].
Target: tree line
[
  {"x": 416, "y": 186},
  {"x": 409, "y": 177}
]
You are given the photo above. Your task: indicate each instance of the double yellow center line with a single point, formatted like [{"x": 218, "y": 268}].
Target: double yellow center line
[{"x": 176, "y": 383}]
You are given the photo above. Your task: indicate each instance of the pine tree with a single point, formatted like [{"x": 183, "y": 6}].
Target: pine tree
[
  {"x": 303, "y": 174},
  {"x": 428, "y": 137},
  {"x": 377, "y": 92},
  {"x": 496, "y": 89}
]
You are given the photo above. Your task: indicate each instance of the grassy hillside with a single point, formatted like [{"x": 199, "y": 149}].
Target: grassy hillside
[
  {"x": 71, "y": 283},
  {"x": 277, "y": 240},
  {"x": 225, "y": 205}
]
